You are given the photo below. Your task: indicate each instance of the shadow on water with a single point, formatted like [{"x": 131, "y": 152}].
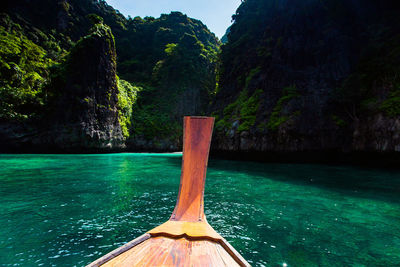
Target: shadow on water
[{"x": 364, "y": 182}]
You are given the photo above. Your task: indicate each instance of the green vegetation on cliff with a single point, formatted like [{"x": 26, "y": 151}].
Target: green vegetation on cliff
[
  {"x": 374, "y": 86},
  {"x": 243, "y": 110},
  {"x": 343, "y": 56},
  {"x": 133, "y": 79},
  {"x": 44, "y": 61},
  {"x": 24, "y": 71},
  {"x": 175, "y": 64},
  {"x": 277, "y": 118},
  {"x": 144, "y": 42},
  {"x": 127, "y": 94},
  {"x": 391, "y": 105}
]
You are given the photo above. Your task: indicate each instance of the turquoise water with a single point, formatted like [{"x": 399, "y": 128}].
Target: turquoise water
[{"x": 68, "y": 210}]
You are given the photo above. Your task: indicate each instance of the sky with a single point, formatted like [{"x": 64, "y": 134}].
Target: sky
[{"x": 215, "y": 14}]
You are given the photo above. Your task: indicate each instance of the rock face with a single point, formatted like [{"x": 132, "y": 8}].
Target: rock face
[
  {"x": 378, "y": 133},
  {"x": 175, "y": 64},
  {"x": 295, "y": 76},
  {"x": 318, "y": 74},
  {"x": 87, "y": 115},
  {"x": 84, "y": 116},
  {"x": 168, "y": 65}
]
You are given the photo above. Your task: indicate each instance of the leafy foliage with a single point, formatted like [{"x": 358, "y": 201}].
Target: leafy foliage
[
  {"x": 243, "y": 109},
  {"x": 158, "y": 58},
  {"x": 154, "y": 40},
  {"x": 391, "y": 106},
  {"x": 127, "y": 94},
  {"x": 185, "y": 65},
  {"x": 276, "y": 118},
  {"x": 374, "y": 85},
  {"x": 24, "y": 72},
  {"x": 95, "y": 19},
  {"x": 338, "y": 121},
  {"x": 151, "y": 119}
]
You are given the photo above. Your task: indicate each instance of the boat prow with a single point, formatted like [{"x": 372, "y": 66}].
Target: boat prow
[{"x": 186, "y": 239}]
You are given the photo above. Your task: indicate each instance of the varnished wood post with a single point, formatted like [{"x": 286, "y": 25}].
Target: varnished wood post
[
  {"x": 197, "y": 132},
  {"x": 186, "y": 239}
]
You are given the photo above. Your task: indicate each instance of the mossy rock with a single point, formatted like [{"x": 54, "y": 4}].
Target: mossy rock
[{"x": 277, "y": 118}]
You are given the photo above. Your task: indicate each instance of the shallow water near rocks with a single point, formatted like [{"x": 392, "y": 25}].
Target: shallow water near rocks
[{"x": 68, "y": 210}]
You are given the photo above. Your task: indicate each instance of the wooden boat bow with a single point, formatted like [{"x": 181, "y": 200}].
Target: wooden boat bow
[
  {"x": 196, "y": 146},
  {"x": 186, "y": 239}
]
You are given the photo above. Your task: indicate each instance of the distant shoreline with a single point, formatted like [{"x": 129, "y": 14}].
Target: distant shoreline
[{"x": 365, "y": 159}]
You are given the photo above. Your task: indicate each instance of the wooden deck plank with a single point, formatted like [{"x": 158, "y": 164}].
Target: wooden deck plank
[{"x": 164, "y": 251}]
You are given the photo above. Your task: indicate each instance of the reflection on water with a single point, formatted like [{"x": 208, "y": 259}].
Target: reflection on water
[{"x": 71, "y": 209}]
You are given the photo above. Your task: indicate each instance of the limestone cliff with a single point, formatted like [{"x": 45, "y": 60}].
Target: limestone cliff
[
  {"x": 310, "y": 76},
  {"x": 59, "y": 87},
  {"x": 83, "y": 115},
  {"x": 86, "y": 114}
]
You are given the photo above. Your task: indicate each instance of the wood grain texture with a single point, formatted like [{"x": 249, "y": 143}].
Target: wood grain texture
[
  {"x": 196, "y": 146},
  {"x": 164, "y": 251},
  {"x": 118, "y": 251},
  {"x": 186, "y": 239}
]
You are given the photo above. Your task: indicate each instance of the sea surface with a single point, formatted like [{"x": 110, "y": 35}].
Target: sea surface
[{"x": 68, "y": 210}]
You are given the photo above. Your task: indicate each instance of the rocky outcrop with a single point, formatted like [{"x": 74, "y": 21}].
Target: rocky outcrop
[
  {"x": 168, "y": 65},
  {"x": 318, "y": 74},
  {"x": 180, "y": 83},
  {"x": 378, "y": 133},
  {"x": 295, "y": 76},
  {"x": 84, "y": 115},
  {"x": 87, "y": 115}
]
